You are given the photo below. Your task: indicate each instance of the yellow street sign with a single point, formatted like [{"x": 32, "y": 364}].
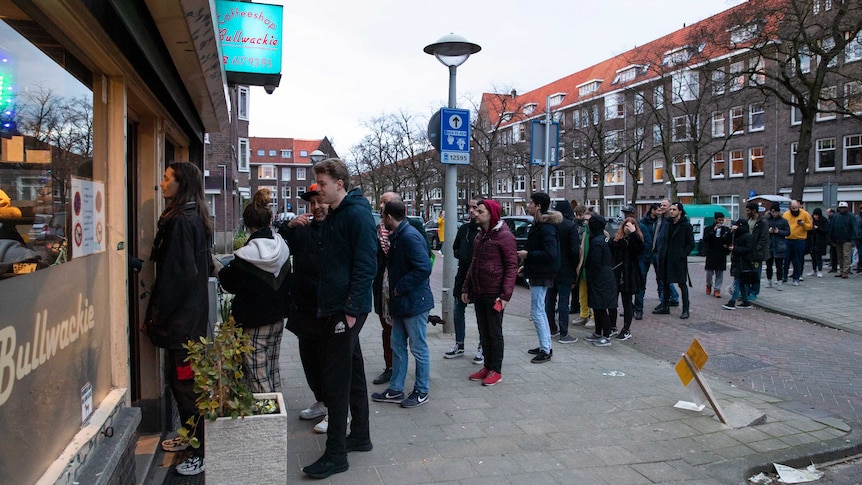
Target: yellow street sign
[{"x": 697, "y": 355}]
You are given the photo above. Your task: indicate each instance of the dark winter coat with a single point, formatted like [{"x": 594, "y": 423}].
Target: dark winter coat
[
  {"x": 307, "y": 250},
  {"x": 842, "y": 227},
  {"x": 778, "y": 240},
  {"x": 677, "y": 242},
  {"x": 818, "y": 237},
  {"x": 760, "y": 235},
  {"x": 495, "y": 264},
  {"x": 178, "y": 310},
  {"x": 462, "y": 246},
  {"x": 261, "y": 297},
  {"x": 570, "y": 247},
  {"x": 543, "y": 248},
  {"x": 648, "y": 229},
  {"x": 377, "y": 285},
  {"x": 627, "y": 252},
  {"x": 348, "y": 258},
  {"x": 409, "y": 270},
  {"x": 713, "y": 247},
  {"x": 741, "y": 258},
  {"x": 599, "y": 266}
]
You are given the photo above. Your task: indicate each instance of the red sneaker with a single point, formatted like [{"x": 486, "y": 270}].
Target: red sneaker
[
  {"x": 479, "y": 374},
  {"x": 492, "y": 378}
]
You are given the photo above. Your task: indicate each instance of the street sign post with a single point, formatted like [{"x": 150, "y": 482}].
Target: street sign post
[
  {"x": 454, "y": 136},
  {"x": 537, "y": 142},
  {"x": 689, "y": 367}
]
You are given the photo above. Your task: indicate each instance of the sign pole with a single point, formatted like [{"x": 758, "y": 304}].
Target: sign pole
[
  {"x": 705, "y": 387},
  {"x": 547, "y": 145},
  {"x": 450, "y": 220}
]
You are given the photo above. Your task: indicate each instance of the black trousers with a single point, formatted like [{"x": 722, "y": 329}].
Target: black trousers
[
  {"x": 344, "y": 384},
  {"x": 182, "y": 383},
  {"x": 628, "y": 309},
  {"x": 605, "y": 320},
  {"x": 312, "y": 354},
  {"x": 490, "y": 324}
]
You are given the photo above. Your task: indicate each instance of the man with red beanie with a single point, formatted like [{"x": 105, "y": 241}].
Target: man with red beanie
[{"x": 489, "y": 284}]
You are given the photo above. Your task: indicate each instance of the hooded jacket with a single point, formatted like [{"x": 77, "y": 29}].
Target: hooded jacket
[
  {"x": 348, "y": 259},
  {"x": 778, "y": 240},
  {"x": 601, "y": 282},
  {"x": 494, "y": 267},
  {"x": 462, "y": 246},
  {"x": 543, "y": 248},
  {"x": 741, "y": 257},
  {"x": 305, "y": 246},
  {"x": 570, "y": 244},
  {"x": 258, "y": 276},
  {"x": 409, "y": 272}
]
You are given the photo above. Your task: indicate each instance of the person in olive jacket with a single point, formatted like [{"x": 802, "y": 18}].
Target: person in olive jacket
[
  {"x": 349, "y": 263},
  {"x": 677, "y": 243},
  {"x": 178, "y": 310},
  {"x": 489, "y": 284}
]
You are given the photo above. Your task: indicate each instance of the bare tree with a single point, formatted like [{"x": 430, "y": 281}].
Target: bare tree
[
  {"x": 800, "y": 51},
  {"x": 494, "y": 147}
]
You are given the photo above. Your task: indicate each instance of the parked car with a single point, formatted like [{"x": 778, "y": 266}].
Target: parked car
[
  {"x": 37, "y": 231},
  {"x": 520, "y": 227},
  {"x": 431, "y": 233}
]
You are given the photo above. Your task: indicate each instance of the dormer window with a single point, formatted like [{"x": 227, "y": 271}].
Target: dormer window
[
  {"x": 627, "y": 73},
  {"x": 743, "y": 33},
  {"x": 557, "y": 98},
  {"x": 677, "y": 56},
  {"x": 529, "y": 108},
  {"x": 589, "y": 87},
  {"x": 506, "y": 116}
]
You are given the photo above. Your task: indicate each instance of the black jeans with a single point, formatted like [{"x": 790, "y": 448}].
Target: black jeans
[
  {"x": 628, "y": 309},
  {"x": 182, "y": 383},
  {"x": 490, "y": 324},
  {"x": 779, "y": 268},
  {"x": 605, "y": 320},
  {"x": 344, "y": 384},
  {"x": 312, "y": 354}
]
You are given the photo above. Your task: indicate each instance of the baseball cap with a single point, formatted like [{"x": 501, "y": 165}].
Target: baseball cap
[
  {"x": 760, "y": 208},
  {"x": 310, "y": 192},
  {"x": 843, "y": 204},
  {"x": 628, "y": 208}
]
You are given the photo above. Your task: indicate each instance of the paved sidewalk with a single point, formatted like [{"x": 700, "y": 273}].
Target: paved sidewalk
[{"x": 591, "y": 415}]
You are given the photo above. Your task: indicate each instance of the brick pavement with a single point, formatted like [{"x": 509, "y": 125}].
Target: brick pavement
[{"x": 598, "y": 415}]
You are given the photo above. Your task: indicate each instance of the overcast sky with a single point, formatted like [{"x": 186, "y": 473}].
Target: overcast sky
[{"x": 348, "y": 61}]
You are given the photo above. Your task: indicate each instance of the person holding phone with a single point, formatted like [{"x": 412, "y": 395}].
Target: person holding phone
[
  {"x": 489, "y": 285},
  {"x": 800, "y": 223}
]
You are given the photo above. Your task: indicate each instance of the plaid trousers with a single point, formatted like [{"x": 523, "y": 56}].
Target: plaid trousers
[{"x": 262, "y": 363}]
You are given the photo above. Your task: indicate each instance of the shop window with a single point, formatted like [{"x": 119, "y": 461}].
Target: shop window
[{"x": 47, "y": 185}]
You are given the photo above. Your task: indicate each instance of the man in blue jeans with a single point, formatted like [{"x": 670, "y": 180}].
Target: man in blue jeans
[
  {"x": 462, "y": 246},
  {"x": 409, "y": 301}
]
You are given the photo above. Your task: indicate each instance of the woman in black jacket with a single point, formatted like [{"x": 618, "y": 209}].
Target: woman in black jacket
[
  {"x": 741, "y": 246},
  {"x": 257, "y": 277},
  {"x": 178, "y": 306},
  {"x": 601, "y": 284},
  {"x": 627, "y": 247},
  {"x": 818, "y": 241}
]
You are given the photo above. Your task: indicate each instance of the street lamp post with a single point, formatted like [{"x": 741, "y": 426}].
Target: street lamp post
[
  {"x": 452, "y": 51},
  {"x": 224, "y": 205}
]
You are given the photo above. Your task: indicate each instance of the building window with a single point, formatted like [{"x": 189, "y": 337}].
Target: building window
[
  {"x": 285, "y": 191},
  {"x": 303, "y": 153},
  {"x": 242, "y": 102},
  {"x": 244, "y": 152},
  {"x": 207, "y": 138},
  {"x": 529, "y": 108},
  {"x": 658, "y": 171},
  {"x": 718, "y": 165},
  {"x": 300, "y": 189},
  {"x": 827, "y": 45},
  {"x": 718, "y": 129},
  {"x": 272, "y": 153},
  {"x": 686, "y": 85},
  {"x": 615, "y": 106},
  {"x": 658, "y": 97},
  {"x": 594, "y": 179},
  {"x": 520, "y": 183},
  {"x": 853, "y": 49},
  {"x": 681, "y": 129},
  {"x": 266, "y": 172},
  {"x": 613, "y": 141},
  {"x": 736, "y": 163},
  {"x": 737, "y": 78},
  {"x": 639, "y": 102},
  {"x": 737, "y": 120},
  {"x": 718, "y": 81},
  {"x": 853, "y": 151},
  {"x": 853, "y": 97},
  {"x": 755, "y": 117},
  {"x": 793, "y": 149},
  {"x": 826, "y": 104},
  {"x": 757, "y": 72},
  {"x": 261, "y": 153},
  {"x": 825, "y": 155},
  {"x": 300, "y": 173},
  {"x": 683, "y": 168},
  {"x": 795, "y": 114},
  {"x": 558, "y": 180},
  {"x": 579, "y": 179},
  {"x": 587, "y": 88},
  {"x": 558, "y": 97},
  {"x": 285, "y": 174},
  {"x": 755, "y": 161},
  {"x": 803, "y": 59},
  {"x": 615, "y": 175},
  {"x": 729, "y": 202},
  {"x": 287, "y": 154},
  {"x": 656, "y": 135}
]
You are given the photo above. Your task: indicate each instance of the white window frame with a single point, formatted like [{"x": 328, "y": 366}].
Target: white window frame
[
  {"x": 242, "y": 102},
  {"x": 638, "y": 103},
  {"x": 285, "y": 174},
  {"x": 753, "y": 153},
  {"x": 594, "y": 179},
  {"x": 300, "y": 173},
  {"x": 266, "y": 172},
  {"x": 683, "y": 169},
  {"x": 756, "y": 117},
  {"x": 579, "y": 179},
  {"x": 853, "y": 48},
  {"x": 286, "y": 153},
  {"x": 243, "y": 155},
  {"x": 681, "y": 122},
  {"x": 558, "y": 179},
  {"x": 718, "y": 160},
  {"x": 794, "y": 147},
  {"x": 718, "y": 81},
  {"x": 827, "y": 96},
  {"x": 615, "y": 174},
  {"x": 615, "y": 106},
  {"x": 656, "y": 134},
  {"x": 658, "y": 97},
  {"x": 719, "y": 130},
  {"x": 741, "y": 163},
  {"x": 795, "y": 115},
  {"x": 852, "y": 149},
  {"x": 303, "y": 153},
  {"x": 520, "y": 183},
  {"x": 853, "y": 97},
  {"x": 737, "y": 113},
  {"x": 285, "y": 191},
  {"x": 756, "y": 67},
  {"x": 737, "y": 76},
  {"x": 300, "y": 189},
  {"x": 821, "y": 147},
  {"x": 729, "y": 202},
  {"x": 685, "y": 85},
  {"x": 658, "y": 171},
  {"x": 613, "y": 141}
]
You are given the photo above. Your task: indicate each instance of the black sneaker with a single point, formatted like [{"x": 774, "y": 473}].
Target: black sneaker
[
  {"x": 388, "y": 396},
  {"x": 415, "y": 398},
  {"x": 358, "y": 445},
  {"x": 535, "y": 351},
  {"x": 326, "y": 466},
  {"x": 384, "y": 376},
  {"x": 624, "y": 335},
  {"x": 541, "y": 357},
  {"x": 639, "y": 315},
  {"x": 673, "y": 303},
  {"x": 745, "y": 305},
  {"x": 457, "y": 351},
  {"x": 731, "y": 305},
  {"x": 593, "y": 337}
]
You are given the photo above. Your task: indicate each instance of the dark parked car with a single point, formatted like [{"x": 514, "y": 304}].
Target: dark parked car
[
  {"x": 431, "y": 233},
  {"x": 520, "y": 227}
]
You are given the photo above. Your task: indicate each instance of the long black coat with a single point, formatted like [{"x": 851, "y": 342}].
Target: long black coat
[
  {"x": 742, "y": 256},
  {"x": 713, "y": 245},
  {"x": 627, "y": 252},
  {"x": 601, "y": 284},
  {"x": 818, "y": 238},
  {"x": 677, "y": 242},
  {"x": 543, "y": 248}
]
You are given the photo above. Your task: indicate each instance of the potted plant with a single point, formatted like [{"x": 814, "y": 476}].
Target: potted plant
[{"x": 258, "y": 439}]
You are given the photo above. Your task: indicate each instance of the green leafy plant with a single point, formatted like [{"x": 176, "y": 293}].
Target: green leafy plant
[
  {"x": 239, "y": 239},
  {"x": 219, "y": 384}
]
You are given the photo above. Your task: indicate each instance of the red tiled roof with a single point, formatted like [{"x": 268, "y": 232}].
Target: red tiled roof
[
  {"x": 279, "y": 144},
  {"x": 711, "y": 34}
]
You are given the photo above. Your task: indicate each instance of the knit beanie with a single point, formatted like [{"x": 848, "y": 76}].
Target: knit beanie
[{"x": 597, "y": 224}]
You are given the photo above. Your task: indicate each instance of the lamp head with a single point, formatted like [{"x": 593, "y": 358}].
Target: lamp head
[
  {"x": 317, "y": 156},
  {"x": 452, "y": 50}
]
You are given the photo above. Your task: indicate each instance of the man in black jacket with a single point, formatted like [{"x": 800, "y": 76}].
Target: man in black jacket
[
  {"x": 677, "y": 242},
  {"x": 462, "y": 246},
  {"x": 560, "y": 292},
  {"x": 759, "y": 230},
  {"x": 349, "y": 247}
]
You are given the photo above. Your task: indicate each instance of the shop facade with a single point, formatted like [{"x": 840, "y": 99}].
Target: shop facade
[{"x": 97, "y": 97}]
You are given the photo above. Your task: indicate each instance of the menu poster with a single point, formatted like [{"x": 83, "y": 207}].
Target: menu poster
[{"x": 88, "y": 217}]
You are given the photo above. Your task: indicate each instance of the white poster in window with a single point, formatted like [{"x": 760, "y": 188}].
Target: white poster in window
[{"x": 88, "y": 217}]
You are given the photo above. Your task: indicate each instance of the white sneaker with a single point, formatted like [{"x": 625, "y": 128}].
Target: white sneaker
[
  {"x": 316, "y": 410},
  {"x": 769, "y": 283},
  {"x": 820, "y": 274},
  {"x": 810, "y": 273},
  {"x": 323, "y": 426},
  {"x": 779, "y": 285},
  {"x": 590, "y": 324},
  {"x": 193, "y": 465}
]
